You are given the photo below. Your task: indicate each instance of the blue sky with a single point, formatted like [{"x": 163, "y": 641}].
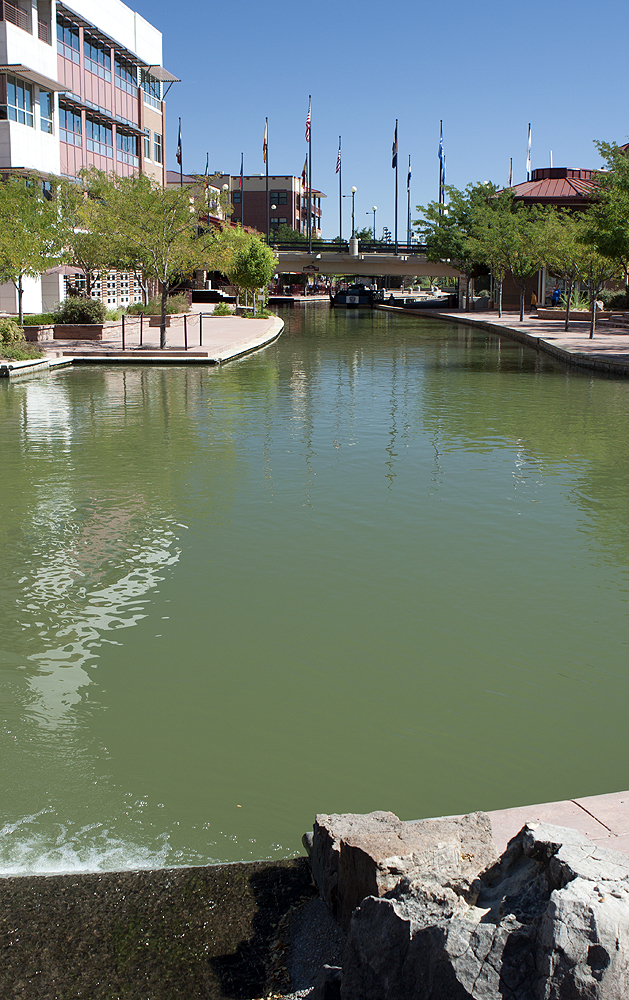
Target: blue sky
[{"x": 486, "y": 69}]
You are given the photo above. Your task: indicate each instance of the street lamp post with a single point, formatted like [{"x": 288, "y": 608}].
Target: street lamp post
[
  {"x": 353, "y": 190},
  {"x": 374, "y": 210},
  {"x": 225, "y": 190}
]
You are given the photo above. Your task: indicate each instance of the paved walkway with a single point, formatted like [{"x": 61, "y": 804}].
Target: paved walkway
[
  {"x": 608, "y": 351},
  {"x": 214, "y": 340},
  {"x": 604, "y": 819}
]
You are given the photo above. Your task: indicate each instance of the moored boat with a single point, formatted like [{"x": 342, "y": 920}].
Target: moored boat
[{"x": 353, "y": 297}]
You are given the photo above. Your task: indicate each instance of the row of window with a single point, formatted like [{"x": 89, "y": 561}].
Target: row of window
[
  {"x": 158, "y": 150},
  {"x": 97, "y": 57},
  {"x": 19, "y": 106},
  {"x": 275, "y": 197}
]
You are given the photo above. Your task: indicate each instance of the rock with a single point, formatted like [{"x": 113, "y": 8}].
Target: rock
[
  {"x": 328, "y": 983},
  {"x": 355, "y": 856},
  {"x": 551, "y": 922}
]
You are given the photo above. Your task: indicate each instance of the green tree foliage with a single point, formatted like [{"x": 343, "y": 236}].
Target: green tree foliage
[
  {"x": 451, "y": 234},
  {"x": 284, "y": 234},
  {"x": 254, "y": 266},
  {"x": 29, "y": 233},
  {"x": 609, "y": 214},
  {"x": 156, "y": 228},
  {"x": 87, "y": 245}
]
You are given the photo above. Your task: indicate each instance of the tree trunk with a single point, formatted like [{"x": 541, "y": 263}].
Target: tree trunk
[
  {"x": 500, "y": 298},
  {"x": 593, "y": 319},
  {"x": 254, "y": 302},
  {"x": 162, "y": 326},
  {"x": 467, "y": 293},
  {"x": 20, "y": 293},
  {"x": 88, "y": 283},
  {"x": 567, "y": 323},
  {"x": 522, "y": 297},
  {"x": 237, "y": 298}
]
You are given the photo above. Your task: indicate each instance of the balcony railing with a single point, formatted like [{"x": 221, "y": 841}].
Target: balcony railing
[
  {"x": 15, "y": 15},
  {"x": 42, "y": 31}
]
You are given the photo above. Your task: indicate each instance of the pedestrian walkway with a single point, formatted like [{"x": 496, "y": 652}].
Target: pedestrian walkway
[{"x": 607, "y": 352}]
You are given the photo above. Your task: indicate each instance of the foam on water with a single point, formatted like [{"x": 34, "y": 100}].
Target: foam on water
[{"x": 32, "y": 845}]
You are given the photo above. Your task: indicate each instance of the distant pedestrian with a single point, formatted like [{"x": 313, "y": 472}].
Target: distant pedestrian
[
  {"x": 533, "y": 303},
  {"x": 554, "y": 299}
]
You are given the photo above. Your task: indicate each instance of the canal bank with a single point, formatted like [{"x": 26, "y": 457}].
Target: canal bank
[
  {"x": 607, "y": 353},
  {"x": 214, "y": 342}
]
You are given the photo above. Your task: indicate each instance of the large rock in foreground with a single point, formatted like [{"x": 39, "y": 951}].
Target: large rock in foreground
[
  {"x": 354, "y": 856},
  {"x": 550, "y": 922}
]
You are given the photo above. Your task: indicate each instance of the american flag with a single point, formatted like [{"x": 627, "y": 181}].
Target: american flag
[
  {"x": 265, "y": 144},
  {"x": 304, "y": 172},
  {"x": 338, "y": 159},
  {"x": 308, "y": 123},
  {"x": 178, "y": 153},
  {"x": 394, "y": 148}
]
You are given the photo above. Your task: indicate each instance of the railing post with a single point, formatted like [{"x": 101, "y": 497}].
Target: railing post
[
  {"x": 200, "y": 329},
  {"x": 141, "y": 327},
  {"x": 123, "y": 331},
  {"x": 185, "y": 332}
]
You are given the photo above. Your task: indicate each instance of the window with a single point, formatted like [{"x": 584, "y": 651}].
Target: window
[
  {"x": 147, "y": 144},
  {"x": 152, "y": 90},
  {"x": 45, "y": 111},
  {"x": 278, "y": 198},
  {"x": 127, "y": 149},
  {"x": 97, "y": 57},
  {"x": 126, "y": 75},
  {"x": 68, "y": 41},
  {"x": 237, "y": 197},
  {"x": 99, "y": 137},
  {"x": 69, "y": 126},
  {"x": 157, "y": 148},
  {"x": 19, "y": 106}
]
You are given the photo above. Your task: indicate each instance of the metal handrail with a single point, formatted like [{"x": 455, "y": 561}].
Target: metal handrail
[{"x": 15, "y": 15}]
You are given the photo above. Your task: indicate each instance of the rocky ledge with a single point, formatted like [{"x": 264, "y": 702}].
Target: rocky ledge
[{"x": 430, "y": 912}]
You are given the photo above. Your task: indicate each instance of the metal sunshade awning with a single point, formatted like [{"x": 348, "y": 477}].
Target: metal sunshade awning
[{"x": 33, "y": 76}]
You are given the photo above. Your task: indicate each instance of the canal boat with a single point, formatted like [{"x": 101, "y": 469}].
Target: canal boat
[{"x": 353, "y": 297}]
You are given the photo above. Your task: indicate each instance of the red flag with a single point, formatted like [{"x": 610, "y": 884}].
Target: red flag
[
  {"x": 304, "y": 173},
  {"x": 308, "y": 123}
]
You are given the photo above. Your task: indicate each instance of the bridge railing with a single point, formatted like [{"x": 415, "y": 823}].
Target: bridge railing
[{"x": 330, "y": 246}]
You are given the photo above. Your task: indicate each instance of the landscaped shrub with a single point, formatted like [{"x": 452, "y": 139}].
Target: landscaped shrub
[
  {"x": 174, "y": 304},
  {"x": 615, "y": 300},
  {"x": 75, "y": 310},
  {"x": 40, "y": 319},
  {"x": 222, "y": 309},
  {"x": 10, "y": 331},
  {"x": 20, "y": 351}
]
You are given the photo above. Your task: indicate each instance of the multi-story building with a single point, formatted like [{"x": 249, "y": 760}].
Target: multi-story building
[
  {"x": 288, "y": 202},
  {"x": 81, "y": 84}
]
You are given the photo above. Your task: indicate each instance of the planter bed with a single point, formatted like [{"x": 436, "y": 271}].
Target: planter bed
[
  {"x": 78, "y": 331},
  {"x": 39, "y": 333},
  {"x": 582, "y": 314}
]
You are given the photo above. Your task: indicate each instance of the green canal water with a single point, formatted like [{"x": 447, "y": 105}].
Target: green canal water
[{"x": 380, "y": 565}]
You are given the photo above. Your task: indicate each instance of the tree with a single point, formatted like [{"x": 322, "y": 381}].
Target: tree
[
  {"x": 451, "y": 233},
  {"x": 254, "y": 265},
  {"x": 609, "y": 212},
  {"x": 29, "y": 234},
  {"x": 87, "y": 245},
  {"x": 284, "y": 234},
  {"x": 155, "y": 227}
]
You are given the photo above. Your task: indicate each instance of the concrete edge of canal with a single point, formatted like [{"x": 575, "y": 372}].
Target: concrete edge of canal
[{"x": 217, "y": 932}]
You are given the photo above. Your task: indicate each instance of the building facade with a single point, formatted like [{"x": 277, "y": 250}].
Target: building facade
[
  {"x": 81, "y": 85},
  {"x": 288, "y": 202}
]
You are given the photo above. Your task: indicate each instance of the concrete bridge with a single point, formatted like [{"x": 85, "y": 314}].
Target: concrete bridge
[{"x": 364, "y": 264}]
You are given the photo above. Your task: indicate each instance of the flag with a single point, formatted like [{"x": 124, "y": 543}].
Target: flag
[
  {"x": 528, "y": 155},
  {"x": 207, "y": 171},
  {"x": 304, "y": 173},
  {"x": 408, "y": 179},
  {"x": 265, "y": 143},
  {"x": 178, "y": 153},
  {"x": 242, "y": 155},
  {"x": 338, "y": 159},
  {"x": 308, "y": 122},
  {"x": 394, "y": 149},
  {"x": 442, "y": 161}
]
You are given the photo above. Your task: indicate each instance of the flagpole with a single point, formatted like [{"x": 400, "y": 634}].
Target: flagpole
[
  {"x": 309, "y": 179},
  {"x": 396, "y": 187},
  {"x": 408, "y": 204},
  {"x": 510, "y": 170},
  {"x": 242, "y": 190},
  {"x": 340, "y": 201},
  {"x": 528, "y": 156},
  {"x": 266, "y": 160},
  {"x": 180, "y": 158},
  {"x": 440, "y": 163}
]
